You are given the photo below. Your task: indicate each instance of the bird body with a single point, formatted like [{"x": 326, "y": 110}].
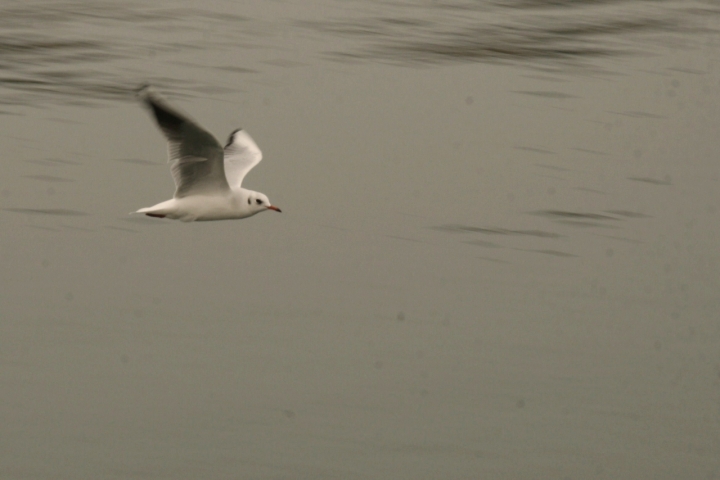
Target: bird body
[{"x": 229, "y": 206}]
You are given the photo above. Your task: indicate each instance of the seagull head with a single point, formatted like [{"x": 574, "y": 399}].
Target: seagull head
[{"x": 259, "y": 202}]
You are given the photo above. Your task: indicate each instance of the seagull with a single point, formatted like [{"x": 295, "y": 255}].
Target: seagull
[{"x": 208, "y": 178}]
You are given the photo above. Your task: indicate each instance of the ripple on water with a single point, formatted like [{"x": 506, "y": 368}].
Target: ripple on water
[
  {"x": 80, "y": 52},
  {"x": 517, "y": 31}
]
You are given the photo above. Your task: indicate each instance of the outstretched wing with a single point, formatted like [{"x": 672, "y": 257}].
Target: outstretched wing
[
  {"x": 241, "y": 155},
  {"x": 197, "y": 158}
]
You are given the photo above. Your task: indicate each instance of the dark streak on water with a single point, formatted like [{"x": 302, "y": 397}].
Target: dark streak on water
[
  {"x": 48, "y": 178},
  {"x": 47, "y": 211},
  {"x": 407, "y": 239},
  {"x": 138, "y": 161},
  {"x": 536, "y": 150},
  {"x": 553, "y": 167},
  {"x": 623, "y": 239},
  {"x": 591, "y": 190},
  {"x": 628, "y": 213},
  {"x": 142, "y": 220},
  {"x": 495, "y": 231},
  {"x": 494, "y": 260},
  {"x": 555, "y": 253},
  {"x": 593, "y": 152},
  {"x": 47, "y": 229},
  {"x": 53, "y": 162},
  {"x": 577, "y": 223},
  {"x": 111, "y": 227},
  {"x": 547, "y": 94},
  {"x": 482, "y": 243},
  {"x": 79, "y": 229},
  {"x": 564, "y": 214},
  {"x": 653, "y": 181},
  {"x": 638, "y": 114}
]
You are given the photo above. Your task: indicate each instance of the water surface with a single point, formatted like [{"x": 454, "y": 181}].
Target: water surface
[{"x": 497, "y": 256}]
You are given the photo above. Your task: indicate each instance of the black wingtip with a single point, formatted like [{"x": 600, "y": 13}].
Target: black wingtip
[
  {"x": 169, "y": 119},
  {"x": 232, "y": 137}
]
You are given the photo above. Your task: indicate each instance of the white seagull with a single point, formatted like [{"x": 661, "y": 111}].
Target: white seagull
[{"x": 207, "y": 177}]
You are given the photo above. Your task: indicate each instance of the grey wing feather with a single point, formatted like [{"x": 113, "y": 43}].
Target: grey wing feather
[{"x": 197, "y": 158}]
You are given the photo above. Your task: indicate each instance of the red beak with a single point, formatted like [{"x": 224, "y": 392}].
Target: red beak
[{"x": 273, "y": 207}]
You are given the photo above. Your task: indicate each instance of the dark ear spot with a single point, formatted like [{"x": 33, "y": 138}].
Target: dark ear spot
[{"x": 249, "y": 201}]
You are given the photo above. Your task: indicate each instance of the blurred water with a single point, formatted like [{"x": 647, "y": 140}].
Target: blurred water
[{"x": 497, "y": 256}]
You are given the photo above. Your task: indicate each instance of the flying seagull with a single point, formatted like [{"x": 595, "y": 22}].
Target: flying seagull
[{"x": 208, "y": 178}]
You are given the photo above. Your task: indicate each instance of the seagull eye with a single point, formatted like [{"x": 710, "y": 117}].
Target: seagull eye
[
  {"x": 259, "y": 202},
  {"x": 249, "y": 201}
]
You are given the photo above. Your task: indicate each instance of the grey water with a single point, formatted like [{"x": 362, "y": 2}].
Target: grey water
[{"x": 498, "y": 255}]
